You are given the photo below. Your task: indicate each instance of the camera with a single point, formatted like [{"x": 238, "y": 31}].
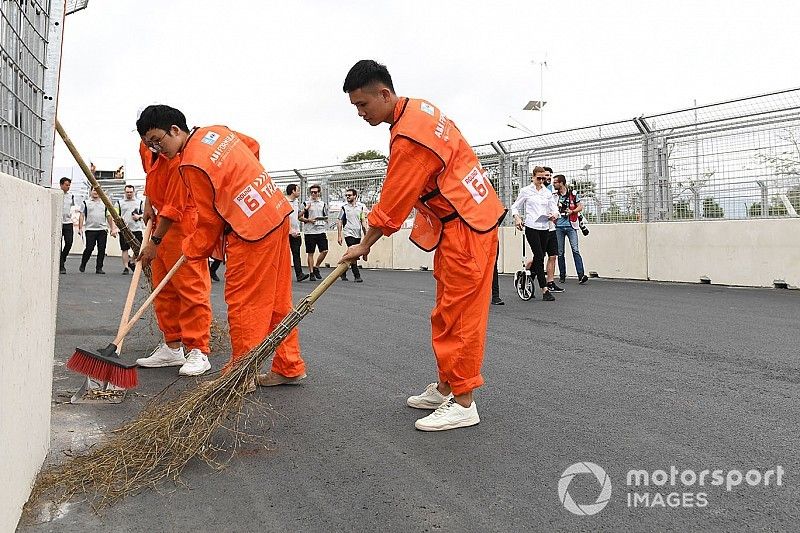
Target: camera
[{"x": 582, "y": 225}]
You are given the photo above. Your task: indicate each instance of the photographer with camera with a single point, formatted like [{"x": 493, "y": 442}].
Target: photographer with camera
[{"x": 569, "y": 207}]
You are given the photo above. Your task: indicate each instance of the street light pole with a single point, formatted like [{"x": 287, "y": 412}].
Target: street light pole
[{"x": 541, "y": 64}]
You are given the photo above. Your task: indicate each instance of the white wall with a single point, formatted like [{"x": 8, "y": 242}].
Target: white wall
[
  {"x": 30, "y": 232},
  {"x": 752, "y": 252}
]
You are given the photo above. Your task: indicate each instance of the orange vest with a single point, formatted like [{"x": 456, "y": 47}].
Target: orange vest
[
  {"x": 463, "y": 182},
  {"x": 244, "y": 194}
]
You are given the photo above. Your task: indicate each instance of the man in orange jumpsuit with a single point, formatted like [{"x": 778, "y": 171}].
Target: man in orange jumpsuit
[
  {"x": 433, "y": 169},
  {"x": 183, "y": 307},
  {"x": 239, "y": 205}
]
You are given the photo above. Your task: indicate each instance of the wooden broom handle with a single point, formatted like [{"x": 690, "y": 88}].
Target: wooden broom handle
[
  {"x": 137, "y": 274},
  {"x": 124, "y": 330}
]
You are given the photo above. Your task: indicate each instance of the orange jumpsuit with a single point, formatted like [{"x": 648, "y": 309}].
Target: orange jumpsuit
[
  {"x": 463, "y": 263},
  {"x": 258, "y": 276},
  {"x": 183, "y": 307}
]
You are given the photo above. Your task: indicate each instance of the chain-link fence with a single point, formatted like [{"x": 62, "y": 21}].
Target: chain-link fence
[{"x": 733, "y": 160}]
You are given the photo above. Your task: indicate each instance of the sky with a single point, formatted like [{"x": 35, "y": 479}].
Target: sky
[{"x": 274, "y": 69}]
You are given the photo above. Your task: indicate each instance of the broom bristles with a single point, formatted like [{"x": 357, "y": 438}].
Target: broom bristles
[
  {"x": 165, "y": 436},
  {"x": 103, "y": 368}
]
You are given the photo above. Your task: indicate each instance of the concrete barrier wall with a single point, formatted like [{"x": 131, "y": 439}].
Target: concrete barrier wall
[
  {"x": 730, "y": 252},
  {"x": 30, "y": 232}
]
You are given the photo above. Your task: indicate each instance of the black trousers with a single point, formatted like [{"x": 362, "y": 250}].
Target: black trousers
[
  {"x": 351, "y": 241},
  {"x": 95, "y": 237},
  {"x": 537, "y": 239},
  {"x": 67, "y": 233},
  {"x": 294, "y": 244},
  {"x": 495, "y": 278}
]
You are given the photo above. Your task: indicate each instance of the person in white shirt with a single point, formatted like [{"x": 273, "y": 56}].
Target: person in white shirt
[
  {"x": 96, "y": 221},
  {"x": 315, "y": 216},
  {"x": 67, "y": 231},
  {"x": 352, "y": 221},
  {"x": 130, "y": 209},
  {"x": 295, "y": 241},
  {"x": 540, "y": 209}
]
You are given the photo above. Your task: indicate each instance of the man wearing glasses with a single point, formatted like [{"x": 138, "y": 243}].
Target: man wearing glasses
[
  {"x": 183, "y": 307},
  {"x": 315, "y": 217},
  {"x": 239, "y": 206},
  {"x": 352, "y": 221}
]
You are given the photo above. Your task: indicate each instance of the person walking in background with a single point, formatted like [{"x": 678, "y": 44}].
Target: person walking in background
[
  {"x": 95, "y": 222},
  {"x": 67, "y": 230},
  {"x": 433, "y": 168},
  {"x": 496, "y": 300},
  {"x": 213, "y": 267},
  {"x": 569, "y": 206},
  {"x": 351, "y": 221},
  {"x": 131, "y": 211},
  {"x": 540, "y": 209},
  {"x": 315, "y": 217},
  {"x": 295, "y": 241},
  {"x": 552, "y": 243}
]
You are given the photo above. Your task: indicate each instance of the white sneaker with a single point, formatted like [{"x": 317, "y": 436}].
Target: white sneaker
[
  {"x": 196, "y": 364},
  {"x": 449, "y": 415},
  {"x": 163, "y": 356},
  {"x": 431, "y": 398}
]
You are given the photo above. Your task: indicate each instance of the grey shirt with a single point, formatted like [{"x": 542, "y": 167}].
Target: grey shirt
[
  {"x": 94, "y": 213},
  {"x": 352, "y": 217},
  {"x": 316, "y": 208},
  {"x": 66, "y": 211},
  {"x": 126, "y": 210}
]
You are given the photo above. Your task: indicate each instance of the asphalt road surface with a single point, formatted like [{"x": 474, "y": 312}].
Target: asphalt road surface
[{"x": 629, "y": 376}]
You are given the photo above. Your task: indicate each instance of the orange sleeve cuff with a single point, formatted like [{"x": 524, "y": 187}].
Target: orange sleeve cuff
[
  {"x": 377, "y": 218},
  {"x": 171, "y": 213}
]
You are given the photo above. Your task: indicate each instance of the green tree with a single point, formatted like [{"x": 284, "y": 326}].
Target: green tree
[
  {"x": 712, "y": 209},
  {"x": 681, "y": 210},
  {"x": 754, "y": 211},
  {"x": 364, "y": 155}
]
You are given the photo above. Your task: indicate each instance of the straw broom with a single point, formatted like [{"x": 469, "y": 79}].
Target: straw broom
[{"x": 165, "y": 436}]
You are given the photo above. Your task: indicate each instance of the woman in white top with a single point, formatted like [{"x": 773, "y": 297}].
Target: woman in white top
[{"x": 540, "y": 209}]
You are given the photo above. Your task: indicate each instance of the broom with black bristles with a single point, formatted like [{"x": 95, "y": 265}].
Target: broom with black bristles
[
  {"x": 165, "y": 436},
  {"x": 106, "y": 364}
]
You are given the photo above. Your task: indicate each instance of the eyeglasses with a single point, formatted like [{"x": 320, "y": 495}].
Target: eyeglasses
[
  {"x": 156, "y": 145},
  {"x": 315, "y": 192},
  {"x": 348, "y": 195}
]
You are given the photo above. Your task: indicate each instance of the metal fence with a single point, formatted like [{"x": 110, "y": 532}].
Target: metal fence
[
  {"x": 733, "y": 160},
  {"x": 30, "y": 53}
]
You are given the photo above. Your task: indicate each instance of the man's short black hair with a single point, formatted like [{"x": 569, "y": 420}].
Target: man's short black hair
[
  {"x": 315, "y": 186},
  {"x": 367, "y": 72},
  {"x": 291, "y": 188},
  {"x": 550, "y": 170},
  {"x": 64, "y": 180},
  {"x": 560, "y": 178},
  {"x": 160, "y": 117},
  {"x": 130, "y": 187},
  {"x": 355, "y": 193}
]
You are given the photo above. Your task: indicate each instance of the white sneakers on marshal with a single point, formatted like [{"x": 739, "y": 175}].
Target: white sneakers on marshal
[
  {"x": 430, "y": 398},
  {"x": 449, "y": 415},
  {"x": 163, "y": 355},
  {"x": 196, "y": 364}
]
